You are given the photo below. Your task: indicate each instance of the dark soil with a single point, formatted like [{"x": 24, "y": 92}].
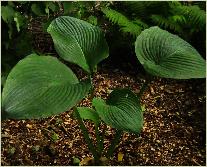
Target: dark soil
[{"x": 174, "y": 131}]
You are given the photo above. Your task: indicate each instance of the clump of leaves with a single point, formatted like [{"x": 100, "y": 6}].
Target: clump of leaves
[
  {"x": 11, "y": 151},
  {"x": 76, "y": 161},
  {"x": 36, "y": 148},
  {"x": 55, "y": 137},
  {"x": 16, "y": 39},
  {"x": 86, "y": 53},
  {"x": 166, "y": 55},
  {"x": 57, "y": 89},
  {"x": 133, "y": 27},
  {"x": 182, "y": 18}
]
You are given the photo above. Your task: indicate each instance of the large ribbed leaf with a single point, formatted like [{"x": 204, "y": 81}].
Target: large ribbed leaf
[
  {"x": 41, "y": 86},
  {"x": 166, "y": 55},
  {"x": 121, "y": 110},
  {"x": 78, "y": 41}
]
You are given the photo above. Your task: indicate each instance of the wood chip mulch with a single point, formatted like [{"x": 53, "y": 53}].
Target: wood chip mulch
[{"x": 174, "y": 131}]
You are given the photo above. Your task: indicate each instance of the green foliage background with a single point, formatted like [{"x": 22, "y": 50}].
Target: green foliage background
[
  {"x": 25, "y": 31},
  {"x": 121, "y": 22},
  {"x": 185, "y": 19}
]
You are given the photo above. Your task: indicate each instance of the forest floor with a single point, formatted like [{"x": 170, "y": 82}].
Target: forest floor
[{"x": 174, "y": 131}]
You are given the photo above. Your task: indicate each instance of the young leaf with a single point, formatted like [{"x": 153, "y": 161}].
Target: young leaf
[
  {"x": 166, "y": 55},
  {"x": 78, "y": 42},
  {"x": 55, "y": 137},
  {"x": 121, "y": 110},
  {"x": 76, "y": 160},
  {"x": 88, "y": 113},
  {"x": 41, "y": 86}
]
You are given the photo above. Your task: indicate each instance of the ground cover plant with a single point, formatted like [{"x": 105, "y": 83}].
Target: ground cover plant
[{"x": 58, "y": 89}]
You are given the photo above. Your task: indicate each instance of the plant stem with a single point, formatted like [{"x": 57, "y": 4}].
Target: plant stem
[
  {"x": 86, "y": 135},
  {"x": 92, "y": 89},
  {"x": 114, "y": 143},
  {"x": 102, "y": 139},
  {"x": 98, "y": 139},
  {"x": 144, "y": 86}
]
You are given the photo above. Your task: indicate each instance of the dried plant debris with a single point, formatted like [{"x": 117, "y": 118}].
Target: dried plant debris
[{"x": 173, "y": 133}]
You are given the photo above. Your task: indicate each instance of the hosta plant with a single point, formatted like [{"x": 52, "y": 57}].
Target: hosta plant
[
  {"x": 42, "y": 86},
  {"x": 166, "y": 55}
]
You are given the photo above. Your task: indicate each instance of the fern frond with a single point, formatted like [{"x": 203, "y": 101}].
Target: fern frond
[
  {"x": 140, "y": 23},
  {"x": 174, "y": 4},
  {"x": 201, "y": 4},
  {"x": 115, "y": 17},
  {"x": 195, "y": 17},
  {"x": 127, "y": 26},
  {"x": 167, "y": 23},
  {"x": 178, "y": 19},
  {"x": 145, "y": 8},
  {"x": 132, "y": 29}
]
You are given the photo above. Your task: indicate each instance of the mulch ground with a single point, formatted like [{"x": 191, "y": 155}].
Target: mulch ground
[{"x": 174, "y": 131}]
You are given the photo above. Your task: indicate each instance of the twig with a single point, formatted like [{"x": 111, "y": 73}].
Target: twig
[
  {"x": 196, "y": 162},
  {"x": 65, "y": 129}
]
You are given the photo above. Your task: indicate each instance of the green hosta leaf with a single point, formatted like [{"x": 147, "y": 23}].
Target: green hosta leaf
[
  {"x": 166, "y": 55},
  {"x": 88, "y": 113},
  {"x": 121, "y": 110},
  {"x": 78, "y": 42},
  {"x": 41, "y": 86}
]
